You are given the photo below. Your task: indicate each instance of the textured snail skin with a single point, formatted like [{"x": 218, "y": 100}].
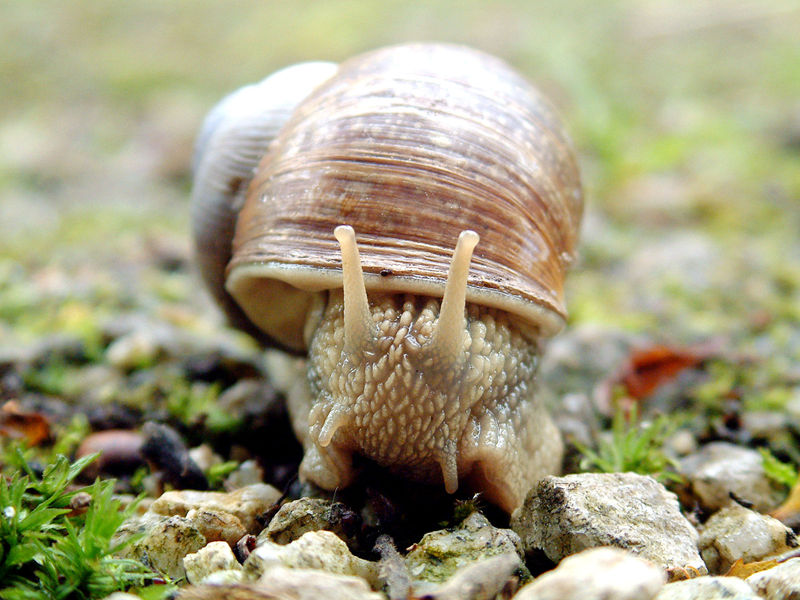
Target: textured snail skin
[
  {"x": 474, "y": 419},
  {"x": 421, "y": 355}
]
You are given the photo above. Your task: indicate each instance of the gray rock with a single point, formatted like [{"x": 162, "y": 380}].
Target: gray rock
[
  {"x": 767, "y": 424},
  {"x": 313, "y": 585},
  {"x": 246, "y": 503},
  {"x": 164, "y": 543},
  {"x": 737, "y": 532},
  {"x": 212, "y": 558},
  {"x": 720, "y": 469},
  {"x": 708, "y": 588},
  {"x": 597, "y": 574},
  {"x": 313, "y": 550},
  {"x": 440, "y": 554},
  {"x": 779, "y": 583},
  {"x": 204, "y": 457},
  {"x": 136, "y": 349},
  {"x": 247, "y": 473},
  {"x": 295, "y": 518},
  {"x": 565, "y": 515},
  {"x": 482, "y": 580},
  {"x": 289, "y": 584}
]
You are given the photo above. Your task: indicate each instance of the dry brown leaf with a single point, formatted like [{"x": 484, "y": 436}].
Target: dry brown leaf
[
  {"x": 651, "y": 367},
  {"x": 648, "y": 368},
  {"x": 789, "y": 512},
  {"x": 33, "y": 427},
  {"x": 743, "y": 570}
]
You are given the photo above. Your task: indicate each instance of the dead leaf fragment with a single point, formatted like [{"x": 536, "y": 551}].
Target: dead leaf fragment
[
  {"x": 743, "y": 570},
  {"x": 651, "y": 367},
  {"x": 16, "y": 424},
  {"x": 789, "y": 512}
]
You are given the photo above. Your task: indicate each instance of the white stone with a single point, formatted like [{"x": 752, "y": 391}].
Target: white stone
[
  {"x": 321, "y": 550},
  {"x": 737, "y": 532},
  {"x": 246, "y": 504},
  {"x": 708, "y": 588},
  {"x": 311, "y": 584},
  {"x": 216, "y": 556},
  {"x": 565, "y": 515},
  {"x": 779, "y": 583},
  {"x": 720, "y": 470},
  {"x": 597, "y": 574}
]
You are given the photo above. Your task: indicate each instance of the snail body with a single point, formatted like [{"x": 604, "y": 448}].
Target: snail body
[{"x": 408, "y": 228}]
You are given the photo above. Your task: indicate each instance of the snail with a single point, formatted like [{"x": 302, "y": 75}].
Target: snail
[{"x": 404, "y": 220}]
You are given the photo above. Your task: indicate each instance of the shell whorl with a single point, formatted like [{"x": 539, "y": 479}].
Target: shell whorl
[
  {"x": 410, "y": 145},
  {"x": 233, "y": 139}
]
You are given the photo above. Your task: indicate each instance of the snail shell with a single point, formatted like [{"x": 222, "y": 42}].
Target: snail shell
[{"x": 421, "y": 358}]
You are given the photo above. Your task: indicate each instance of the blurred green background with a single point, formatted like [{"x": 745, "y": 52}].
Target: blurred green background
[{"x": 686, "y": 116}]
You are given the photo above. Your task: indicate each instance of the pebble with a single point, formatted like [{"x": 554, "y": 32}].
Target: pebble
[
  {"x": 164, "y": 449},
  {"x": 597, "y": 574},
  {"x": 779, "y": 583},
  {"x": 321, "y": 550},
  {"x": 565, "y": 515},
  {"x": 217, "y": 525},
  {"x": 137, "y": 349},
  {"x": 311, "y": 514},
  {"x": 204, "y": 457},
  {"x": 287, "y": 584},
  {"x": 720, "y": 470},
  {"x": 214, "y": 557},
  {"x": 247, "y": 473},
  {"x": 313, "y": 585},
  {"x": 737, "y": 532},
  {"x": 165, "y": 542},
  {"x": 708, "y": 588},
  {"x": 120, "y": 452},
  {"x": 246, "y": 503},
  {"x": 482, "y": 580},
  {"x": 440, "y": 554}
]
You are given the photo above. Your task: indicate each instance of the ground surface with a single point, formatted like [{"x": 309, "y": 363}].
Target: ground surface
[{"x": 686, "y": 119}]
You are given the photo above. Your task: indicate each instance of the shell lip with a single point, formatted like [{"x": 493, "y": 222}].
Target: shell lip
[{"x": 313, "y": 279}]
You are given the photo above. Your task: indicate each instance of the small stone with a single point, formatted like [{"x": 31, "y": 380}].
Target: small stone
[
  {"x": 311, "y": 514},
  {"x": 246, "y": 503},
  {"x": 720, "y": 470},
  {"x": 312, "y": 584},
  {"x": 216, "y": 556},
  {"x": 137, "y": 349},
  {"x": 708, "y": 588},
  {"x": 737, "y": 532},
  {"x": 122, "y": 596},
  {"x": 166, "y": 541},
  {"x": 597, "y": 574},
  {"x": 681, "y": 443},
  {"x": 565, "y": 515},
  {"x": 224, "y": 577},
  {"x": 313, "y": 550},
  {"x": 247, "y": 473},
  {"x": 120, "y": 452},
  {"x": 766, "y": 424},
  {"x": 217, "y": 525},
  {"x": 164, "y": 449},
  {"x": 440, "y": 554},
  {"x": 204, "y": 457},
  {"x": 288, "y": 584},
  {"x": 779, "y": 583},
  {"x": 482, "y": 580}
]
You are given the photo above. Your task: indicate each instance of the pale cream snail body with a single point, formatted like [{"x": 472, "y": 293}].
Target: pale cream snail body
[{"x": 405, "y": 219}]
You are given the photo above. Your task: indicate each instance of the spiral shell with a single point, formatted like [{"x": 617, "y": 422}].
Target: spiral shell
[{"x": 410, "y": 145}]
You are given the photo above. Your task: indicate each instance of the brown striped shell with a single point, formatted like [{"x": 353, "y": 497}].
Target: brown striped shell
[{"x": 410, "y": 145}]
